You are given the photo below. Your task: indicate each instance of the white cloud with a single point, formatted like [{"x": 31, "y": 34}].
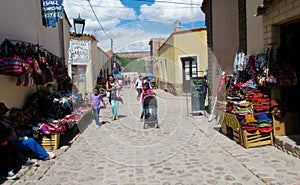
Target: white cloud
[
  {"x": 169, "y": 11},
  {"x": 109, "y": 12},
  {"x": 134, "y": 37},
  {"x": 155, "y": 21}
]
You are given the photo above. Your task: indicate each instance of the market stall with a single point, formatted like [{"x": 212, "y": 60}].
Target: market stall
[
  {"x": 55, "y": 108},
  {"x": 248, "y": 113}
]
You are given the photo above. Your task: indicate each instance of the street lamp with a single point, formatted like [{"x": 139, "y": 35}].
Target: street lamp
[{"x": 79, "y": 24}]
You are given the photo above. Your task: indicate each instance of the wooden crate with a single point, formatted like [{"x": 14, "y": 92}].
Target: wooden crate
[
  {"x": 237, "y": 136},
  {"x": 224, "y": 128},
  {"x": 231, "y": 121},
  {"x": 231, "y": 127},
  {"x": 49, "y": 141},
  {"x": 256, "y": 138}
]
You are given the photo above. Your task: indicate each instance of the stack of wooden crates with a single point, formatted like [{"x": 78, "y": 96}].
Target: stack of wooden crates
[{"x": 246, "y": 138}]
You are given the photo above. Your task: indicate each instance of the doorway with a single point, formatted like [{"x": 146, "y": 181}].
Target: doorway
[
  {"x": 189, "y": 70},
  {"x": 79, "y": 77},
  {"x": 290, "y": 42}
]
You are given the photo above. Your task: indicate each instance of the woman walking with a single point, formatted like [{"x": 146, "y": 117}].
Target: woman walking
[
  {"x": 95, "y": 101},
  {"x": 146, "y": 91},
  {"x": 113, "y": 88}
]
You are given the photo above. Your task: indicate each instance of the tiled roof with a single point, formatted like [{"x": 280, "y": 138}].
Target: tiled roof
[{"x": 86, "y": 35}]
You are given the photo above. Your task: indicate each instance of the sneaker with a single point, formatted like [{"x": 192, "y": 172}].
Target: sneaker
[
  {"x": 30, "y": 163},
  {"x": 113, "y": 118},
  {"x": 116, "y": 118},
  {"x": 97, "y": 126},
  {"x": 51, "y": 156},
  {"x": 141, "y": 120},
  {"x": 11, "y": 176}
]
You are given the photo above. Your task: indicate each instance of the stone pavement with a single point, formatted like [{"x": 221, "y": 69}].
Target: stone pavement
[{"x": 184, "y": 150}]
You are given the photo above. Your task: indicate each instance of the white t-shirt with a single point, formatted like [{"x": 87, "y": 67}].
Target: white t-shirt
[{"x": 139, "y": 84}]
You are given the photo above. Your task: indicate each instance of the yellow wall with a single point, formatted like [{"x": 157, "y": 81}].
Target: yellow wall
[{"x": 181, "y": 44}]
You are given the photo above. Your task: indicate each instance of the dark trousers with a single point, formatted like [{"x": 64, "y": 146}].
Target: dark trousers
[{"x": 10, "y": 159}]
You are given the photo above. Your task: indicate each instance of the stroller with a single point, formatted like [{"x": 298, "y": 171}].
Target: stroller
[{"x": 150, "y": 106}]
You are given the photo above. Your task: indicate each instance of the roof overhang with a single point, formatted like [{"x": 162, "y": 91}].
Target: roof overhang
[{"x": 261, "y": 9}]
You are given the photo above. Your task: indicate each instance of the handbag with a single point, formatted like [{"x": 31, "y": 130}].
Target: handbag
[
  {"x": 25, "y": 79},
  {"x": 107, "y": 94},
  {"x": 12, "y": 66}
]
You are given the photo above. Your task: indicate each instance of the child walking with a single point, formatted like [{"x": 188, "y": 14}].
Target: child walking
[{"x": 95, "y": 101}]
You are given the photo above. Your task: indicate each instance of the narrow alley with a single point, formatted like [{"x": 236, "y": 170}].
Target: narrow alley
[{"x": 184, "y": 150}]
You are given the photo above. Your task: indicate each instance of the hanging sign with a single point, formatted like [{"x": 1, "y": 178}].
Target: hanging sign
[
  {"x": 79, "y": 52},
  {"x": 51, "y": 11}
]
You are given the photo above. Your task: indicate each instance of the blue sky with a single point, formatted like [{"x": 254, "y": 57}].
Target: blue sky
[{"x": 131, "y": 23}]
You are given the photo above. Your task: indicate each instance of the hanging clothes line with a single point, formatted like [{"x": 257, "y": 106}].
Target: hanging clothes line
[{"x": 38, "y": 47}]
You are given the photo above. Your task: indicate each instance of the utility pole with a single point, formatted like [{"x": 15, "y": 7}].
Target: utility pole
[{"x": 112, "y": 53}]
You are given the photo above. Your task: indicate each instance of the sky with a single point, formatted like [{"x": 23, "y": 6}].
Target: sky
[{"x": 130, "y": 24}]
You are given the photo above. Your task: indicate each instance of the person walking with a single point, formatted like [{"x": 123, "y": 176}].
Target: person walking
[
  {"x": 146, "y": 91},
  {"x": 113, "y": 87},
  {"x": 139, "y": 86},
  {"x": 147, "y": 80},
  {"x": 205, "y": 87},
  {"x": 95, "y": 101}
]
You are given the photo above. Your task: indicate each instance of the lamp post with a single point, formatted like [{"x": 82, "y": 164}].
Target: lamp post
[{"x": 79, "y": 24}]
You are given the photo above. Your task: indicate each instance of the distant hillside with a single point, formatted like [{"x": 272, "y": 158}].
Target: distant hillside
[
  {"x": 133, "y": 65},
  {"x": 134, "y": 61},
  {"x": 142, "y": 55}
]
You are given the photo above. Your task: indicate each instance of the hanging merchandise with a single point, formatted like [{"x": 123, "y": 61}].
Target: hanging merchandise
[
  {"x": 30, "y": 63},
  {"x": 241, "y": 61},
  {"x": 59, "y": 71},
  {"x": 272, "y": 79},
  {"x": 25, "y": 80},
  {"x": 12, "y": 65}
]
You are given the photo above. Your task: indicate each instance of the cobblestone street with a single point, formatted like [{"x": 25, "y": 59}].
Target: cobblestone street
[{"x": 184, "y": 150}]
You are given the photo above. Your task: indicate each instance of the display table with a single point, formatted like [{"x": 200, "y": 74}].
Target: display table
[
  {"x": 84, "y": 120},
  {"x": 52, "y": 141}
]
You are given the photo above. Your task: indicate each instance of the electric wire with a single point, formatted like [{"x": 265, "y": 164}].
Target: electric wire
[
  {"x": 153, "y": 1},
  {"x": 97, "y": 19},
  {"x": 88, "y": 9},
  {"x": 124, "y": 7}
]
